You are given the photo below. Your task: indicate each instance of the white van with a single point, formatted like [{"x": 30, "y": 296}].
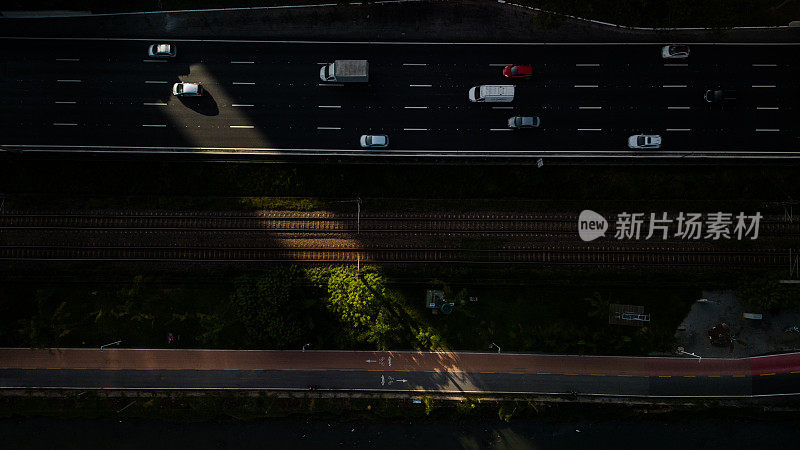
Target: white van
[{"x": 492, "y": 93}]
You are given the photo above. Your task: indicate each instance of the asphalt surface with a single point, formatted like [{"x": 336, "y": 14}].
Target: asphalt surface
[
  {"x": 454, "y": 373},
  {"x": 106, "y": 95}
]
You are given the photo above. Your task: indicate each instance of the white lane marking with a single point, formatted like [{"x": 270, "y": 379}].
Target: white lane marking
[
  {"x": 156, "y": 82},
  {"x": 241, "y": 126},
  {"x": 329, "y": 106},
  {"x": 69, "y": 81},
  {"x": 154, "y": 60},
  {"x": 65, "y": 103},
  {"x": 243, "y": 62},
  {"x": 675, "y": 64},
  {"x": 415, "y": 107},
  {"x": 415, "y": 129},
  {"x": 148, "y": 125},
  {"x": 585, "y": 86},
  {"x": 419, "y": 85},
  {"x": 240, "y": 104},
  {"x": 763, "y": 86},
  {"x": 62, "y": 124},
  {"x": 68, "y": 59},
  {"x": 590, "y": 129},
  {"x": 679, "y": 129},
  {"x": 679, "y": 107},
  {"x": 590, "y": 107},
  {"x": 244, "y": 82},
  {"x": 329, "y": 128},
  {"x": 765, "y": 65},
  {"x": 768, "y": 129},
  {"x": 414, "y": 64},
  {"x": 502, "y": 107},
  {"x": 587, "y": 65},
  {"x": 673, "y": 86},
  {"x": 499, "y": 65},
  {"x": 154, "y": 104},
  {"x": 766, "y": 107},
  {"x": 330, "y": 84},
  {"x": 499, "y": 129}
]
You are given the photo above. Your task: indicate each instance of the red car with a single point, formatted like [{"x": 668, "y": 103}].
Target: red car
[{"x": 518, "y": 71}]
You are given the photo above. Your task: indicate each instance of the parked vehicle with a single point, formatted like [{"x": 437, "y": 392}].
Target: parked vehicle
[
  {"x": 719, "y": 95},
  {"x": 187, "y": 89},
  {"x": 518, "y": 71},
  {"x": 518, "y": 122},
  {"x": 675, "y": 51},
  {"x": 374, "y": 141},
  {"x": 492, "y": 93},
  {"x": 162, "y": 51},
  {"x": 644, "y": 141},
  {"x": 345, "y": 71}
]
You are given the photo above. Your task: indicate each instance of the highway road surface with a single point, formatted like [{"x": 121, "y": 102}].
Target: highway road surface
[
  {"x": 266, "y": 98},
  {"x": 439, "y": 372}
]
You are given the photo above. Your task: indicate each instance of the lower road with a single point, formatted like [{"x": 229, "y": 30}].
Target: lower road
[{"x": 422, "y": 372}]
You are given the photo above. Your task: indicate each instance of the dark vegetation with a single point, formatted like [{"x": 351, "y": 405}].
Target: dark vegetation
[
  {"x": 674, "y": 13},
  {"x": 171, "y": 185},
  {"x": 285, "y": 307}
]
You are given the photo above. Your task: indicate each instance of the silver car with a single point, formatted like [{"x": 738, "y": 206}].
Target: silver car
[
  {"x": 675, "y": 51},
  {"x": 518, "y": 122},
  {"x": 644, "y": 141},
  {"x": 162, "y": 51},
  {"x": 187, "y": 89},
  {"x": 374, "y": 141}
]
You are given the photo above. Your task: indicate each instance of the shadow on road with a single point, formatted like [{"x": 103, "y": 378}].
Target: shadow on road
[{"x": 205, "y": 104}]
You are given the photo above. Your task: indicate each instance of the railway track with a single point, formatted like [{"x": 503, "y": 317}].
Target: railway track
[
  {"x": 609, "y": 256},
  {"x": 297, "y": 222}
]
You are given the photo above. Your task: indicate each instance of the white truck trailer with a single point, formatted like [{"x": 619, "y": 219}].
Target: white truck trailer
[{"x": 345, "y": 71}]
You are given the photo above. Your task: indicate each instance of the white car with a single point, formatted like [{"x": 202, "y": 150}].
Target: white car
[
  {"x": 162, "y": 51},
  {"x": 374, "y": 141},
  {"x": 675, "y": 51},
  {"x": 644, "y": 141},
  {"x": 187, "y": 89}
]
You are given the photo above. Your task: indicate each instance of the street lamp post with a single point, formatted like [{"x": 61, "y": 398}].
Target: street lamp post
[
  {"x": 113, "y": 343},
  {"x": 682, "y": 352},
  {"x": 304, "y": 347},
  {"x": 495, "y": 345}
]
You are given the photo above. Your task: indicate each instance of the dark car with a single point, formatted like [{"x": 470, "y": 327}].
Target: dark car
[{"x": 719, "y": 95}]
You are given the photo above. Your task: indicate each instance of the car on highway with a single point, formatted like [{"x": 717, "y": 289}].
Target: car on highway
[
  {"x": 515, "y": 71},
  {"x": 719, "y": 95},
  {"x": 374, "y": 141},
  {"x": 644, "y": 141},
  {"x": 162, "y": 51},
  {"x": 675, "y": 51},
  {"x": 187, "y": 89},
  {"x": 520, "y": 122}
]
